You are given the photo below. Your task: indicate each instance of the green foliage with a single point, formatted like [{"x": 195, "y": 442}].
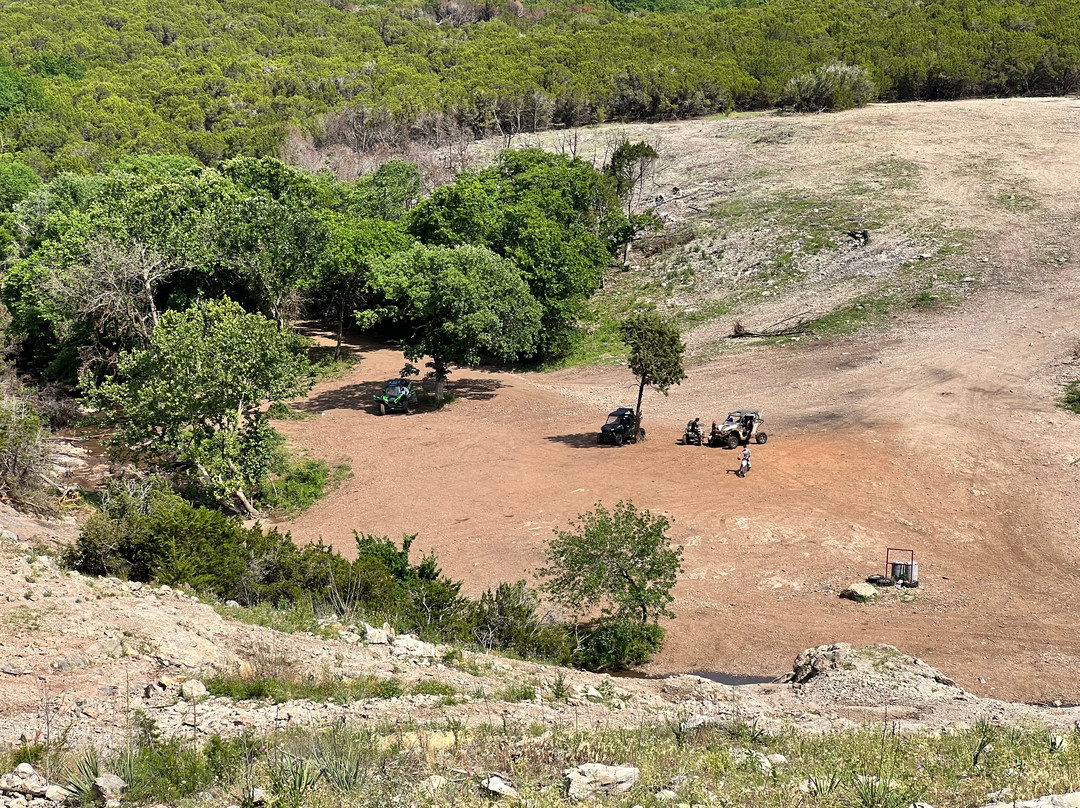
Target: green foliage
[
  {"x": 830, "y": 88},
  {"x": 282, "y": 688},
  {"x": 1071, "y": 399},
  {"x": 615, "y": 644},
  {"x": 90, "y": 82},
  {"x": 17, "y": 182},
  {"x": 293, "y": 487},
  {"x": 656, "y": 352},
  {"x": 620, "y": 561},
  {"x": 194, "y": 395},
  {"x": 507, "y": 618},
  {"x": 454, "y": 303}
]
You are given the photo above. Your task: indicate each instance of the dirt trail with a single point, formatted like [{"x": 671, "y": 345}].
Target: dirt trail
[{"x": 939, "y": 434}]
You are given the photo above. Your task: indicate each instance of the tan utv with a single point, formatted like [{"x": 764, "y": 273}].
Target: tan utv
[{"x": 741, "y": 426}]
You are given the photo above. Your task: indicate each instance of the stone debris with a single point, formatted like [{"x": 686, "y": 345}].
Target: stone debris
[
  {"x": 589, "y": 779},
  {"x": 25, "y": 788}
]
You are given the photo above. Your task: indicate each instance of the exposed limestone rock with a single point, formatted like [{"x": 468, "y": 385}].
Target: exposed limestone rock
[{"x": 589, "y": 779}]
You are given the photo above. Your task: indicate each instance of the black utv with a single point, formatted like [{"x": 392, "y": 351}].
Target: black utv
[{"x": 619, "y": 428}]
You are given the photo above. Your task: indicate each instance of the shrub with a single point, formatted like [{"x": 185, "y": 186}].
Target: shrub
[
  {"x": 831, "y": 87},
  {"x": 1071, "y": 399},
  {"x": 508, "y": 618},
  {"x": 618, "y": 645}
]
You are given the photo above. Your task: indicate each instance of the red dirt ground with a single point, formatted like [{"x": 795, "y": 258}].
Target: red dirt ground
[{"x": 940, "y": 434}]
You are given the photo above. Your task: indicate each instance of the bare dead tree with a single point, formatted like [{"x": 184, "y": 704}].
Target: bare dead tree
[{"x": 114, "y": 289}]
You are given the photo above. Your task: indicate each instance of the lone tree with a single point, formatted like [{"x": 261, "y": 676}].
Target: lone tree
[
  {"x": 656, "y": 354},
  {"x": 621, "y": 562},
  {"x": 454, "y": 304},
  {"x": 194, "y": 396}
]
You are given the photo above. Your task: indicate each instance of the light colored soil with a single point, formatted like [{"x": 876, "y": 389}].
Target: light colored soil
[{"x": 938, "y": 434}]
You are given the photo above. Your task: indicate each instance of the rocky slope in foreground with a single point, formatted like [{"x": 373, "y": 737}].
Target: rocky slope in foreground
[{"x": 85, "y": 655}]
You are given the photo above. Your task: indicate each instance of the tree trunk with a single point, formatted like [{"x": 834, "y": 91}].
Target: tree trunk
[
  {"x": 637, "y": 412},
  {"x": 340, "y": 330},
  {"x": 248, "y": 507},
  {"x": 440, "y": 369}
]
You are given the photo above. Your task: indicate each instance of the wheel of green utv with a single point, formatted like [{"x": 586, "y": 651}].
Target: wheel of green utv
[
  {"x": 762, "y": 437},
  {"x": 405, "y": 407},
  {"x": 731, "y": 440},
  {"x": 618, "y": 438},
  {"x": 382, "y": 408}
]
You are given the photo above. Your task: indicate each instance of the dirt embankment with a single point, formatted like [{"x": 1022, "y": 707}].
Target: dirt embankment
[{"x": 938, "y": 434}]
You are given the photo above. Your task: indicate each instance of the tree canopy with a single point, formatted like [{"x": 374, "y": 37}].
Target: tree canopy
[
  {"x": 656, "y": 352},
  {"x": 454, "y": 304},
  {"x": 195, "y": 395}
]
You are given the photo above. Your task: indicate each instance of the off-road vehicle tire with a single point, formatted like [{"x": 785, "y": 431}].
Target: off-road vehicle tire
[
  {"x": 618, "y": 438},
  {"x": 405, "y": 409},
  {"x": 600, "y": 439},
  {"x": 731, "y": 441},
  {"x": 762, "y": 437},
  {"x": 382, "y": 408}
]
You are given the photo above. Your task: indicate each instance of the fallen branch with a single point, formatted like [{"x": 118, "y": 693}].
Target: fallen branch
[{"x": 775, "y": 330}]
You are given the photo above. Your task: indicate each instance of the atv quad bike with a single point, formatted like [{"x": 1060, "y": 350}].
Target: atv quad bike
[
  {"x": 741, "y": 426},
  {"x": 396, "y": 397},
  {"x": 619, "y": 428},
  {"x": 692, "y": 436}
]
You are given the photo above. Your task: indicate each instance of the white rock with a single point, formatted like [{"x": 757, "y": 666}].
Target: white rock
[
  {"x": 108, "y": 788},
  {"x": 778, "y": 761},
  {"x": 407, "y": 645},
  {"x": 193, "y": 689},
  {"x": 375, "y": 636},
  {"x": 496, "y": 785},
  {"x": 860, "y": 591},
  {"x": 589, "y": 779}
]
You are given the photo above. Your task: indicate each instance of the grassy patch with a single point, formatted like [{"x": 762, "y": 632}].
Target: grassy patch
[
  {"x": 296, "y": 485},
  {"x": 861, "y": 312},
  {"x": 290, "y": 620},
  {"x": 281, "y": 688},
  {"x": 1071, "y": 399},
  {"x": 872, "y": 766},
  {"x": 280, "y": 411},
  {"x": 515, "y": 692}
]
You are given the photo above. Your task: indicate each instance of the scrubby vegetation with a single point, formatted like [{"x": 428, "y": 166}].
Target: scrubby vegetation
[
  {"x": 146, "y": 532},
  {"x": 870, "y": 766},
  {"x": 85, "y": 84}
]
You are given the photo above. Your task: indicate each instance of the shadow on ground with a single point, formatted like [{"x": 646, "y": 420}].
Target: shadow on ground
[
  {"x": 581, "y": 440},
  {"x": 361, "y": 395}
]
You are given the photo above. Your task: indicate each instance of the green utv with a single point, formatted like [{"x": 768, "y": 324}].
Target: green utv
[{"x": 398, "y": 396}]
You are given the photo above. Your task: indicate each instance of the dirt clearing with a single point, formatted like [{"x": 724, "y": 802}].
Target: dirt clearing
[{"x": 939, "y": 433}]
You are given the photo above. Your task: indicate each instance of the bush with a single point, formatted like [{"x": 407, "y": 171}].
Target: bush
[
  {"x": 1071, "y": 399},
  {"x": 830, "y": 88},
  {"x": 508, "y": 618},
  {"x": 24, "y": 452},
  {"x": 618, "y": 645}
]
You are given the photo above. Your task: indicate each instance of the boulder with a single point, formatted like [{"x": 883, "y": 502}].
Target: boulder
[
  {"x": 859, "y": 592},
  {"x": 375, "y": 636},
  {"x": 108, "y": 788},
  {"x": 496, "y": 785},
  {"x": 407, "y": 645},
  {"x": 589, "y": 779},
  {"x": 193, "y": 690}
]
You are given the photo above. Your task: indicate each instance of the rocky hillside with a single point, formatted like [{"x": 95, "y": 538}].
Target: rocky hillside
[{"x": 88, "y": 655}]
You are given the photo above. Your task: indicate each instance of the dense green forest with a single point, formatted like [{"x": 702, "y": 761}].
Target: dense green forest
[{"x": 84, "y": 82}]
